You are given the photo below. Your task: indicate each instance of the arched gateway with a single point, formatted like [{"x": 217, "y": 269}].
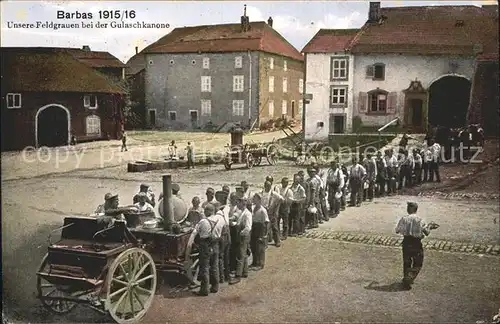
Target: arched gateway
[{"x": 52, "y": 126}]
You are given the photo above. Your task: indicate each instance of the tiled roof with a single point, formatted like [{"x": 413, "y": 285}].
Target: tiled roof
[
  {"x": 330, "y": 40},
  {"x": 96, "y": 59},
  {"x": 50, "y": 70},
  {"x": 429, "y": 30},
  {"x": 224, "y": 38}
]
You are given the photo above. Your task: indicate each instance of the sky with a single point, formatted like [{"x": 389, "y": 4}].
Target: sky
[{"x": 297, "y": 21}]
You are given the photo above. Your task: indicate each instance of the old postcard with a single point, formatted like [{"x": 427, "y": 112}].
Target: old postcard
[{"x": 281, "y": 162}]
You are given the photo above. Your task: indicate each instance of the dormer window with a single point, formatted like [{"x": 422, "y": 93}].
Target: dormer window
[
  {"x": 90, "y": 101},
  {"x": 13, "y": 100}
]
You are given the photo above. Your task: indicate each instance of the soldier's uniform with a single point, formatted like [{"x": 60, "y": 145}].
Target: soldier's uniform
[
  {"x": 392, "y": 171},
  {"x": 208, "y": 235},
  {"x": 371, "y": 176},
  {"x": 357, "y": 176},
  {"x": 260, "y": 219},
  {"x": 225, "y": 241},
  {"x": 244, "y": 228},
  {"x": 381, "y": 175},
  {"x": 284, "y": 208},
  {"x": 271, "y": 200},
  {"x": 335, "y": 183},
  {"x": 303, "y": 206},
  {"x": 406, "y": 169},
  {"x": 312, "y": 219}
]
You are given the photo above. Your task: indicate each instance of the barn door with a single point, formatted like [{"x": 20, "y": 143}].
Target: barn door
[{"x": 363, "y": 102}]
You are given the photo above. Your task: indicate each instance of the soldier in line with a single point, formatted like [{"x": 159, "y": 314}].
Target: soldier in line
[
  {"x": 370, "y": 166},
  {"x": 356, "y": 179},
  {"x": 190, "y": 155},
  {"x": 195, "y": 212},
  {"x": 392, "y": 171},
  {"x": 124, "y": 142},
  {"x": 426, "y": 161},
  {"x": 234, "y": 220},
  {"x": 413, "y": 229},
  {"x": 260, "y": 219},
  {"x": 406, "y": 169},
  {"x": 434, "y": 163},
  {"x": 271, "y": 200},
  {"x": 313, "y": 203},
  {"x": 244, "y": 227},
  {"x": 296, "y": 206},
  {"x": 323, "y": 211},
  {"x": 302, "y": 211},
  {"x": 225, "y": 242},
  {"x": 345, "y": 189},
  {"x": 418, "y": 161},
  {"x": 208, "y": 235},
  {"x": 210, "y": 193},
  {"x": 381, "y": 175},
  {"x": 334, "y": 184},
  {"x": 286, "y": 194}
]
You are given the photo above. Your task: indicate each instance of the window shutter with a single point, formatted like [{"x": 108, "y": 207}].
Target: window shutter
[
  {"x": 392, "y": 101},
  {"x": 370, "y": 71},
  {"x": 363, "y": 102}
]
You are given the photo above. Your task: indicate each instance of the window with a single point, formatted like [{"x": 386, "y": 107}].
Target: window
[
  {"x": 271, "y": 108},
  {"x": 193, "y": 62},
  {"x": 93, "y": 124},
  {"x": 172, "y": 115},
  {"x": 206, "y": 107},
  {"x": 238, "y": 62},
  {"x": 150, "y": 62},
  {"x": 238, "y": 83},
  {"x": 285, "y": 66},
  {"x": 271, "y": 63},
  {"x": 238, "y": 107},
  {"x": 206, "y": 63},
  {"x": 378, "y": 102},
  {"x": 206, "y": 84},
  {"x": 301, "y": 85},
  {"x": 172, "y": 62},
  {"x": 339, "y": 68},
  {"x": 338, "y": 96},
  {"x": 285, "y": 84},
  {"x": 284, "y": 107},
  {"x": 90, "y": 101},
  {"x": 271, "y": 84},
  {"x": 13, "y": 100},
  {"x": 376, "y": 71}
]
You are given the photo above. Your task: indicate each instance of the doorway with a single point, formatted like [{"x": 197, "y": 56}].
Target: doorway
[
  {"x": 337, "y": 124},
  {"x": 293, "y": 109},
  {"x": 449, "y": 101},
  {"x": 52, "y": 126},
  {"x": 152, "y": 117},
  {"x": 417, "y": 113},
  {"x": 194, "y": 118}
]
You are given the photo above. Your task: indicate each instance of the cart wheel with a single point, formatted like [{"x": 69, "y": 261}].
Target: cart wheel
[
  {"x": 192, "y": 263},
  {"x": 250, "y": 160},
  {"x": 46, "y": 289},
  {"x": 131, "y": 286},
  {"x": 272, "y": 154},
  {"x": 258, "y": 161}
]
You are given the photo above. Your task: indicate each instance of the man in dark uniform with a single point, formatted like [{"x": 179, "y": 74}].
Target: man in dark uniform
[
  {"x": 381, "y": 175},
  {"x": 356, "y": 179},
  {"x": 258, "y": 234},
  {"x": 244, "y": 228},
  {"x": 413, "y": 229},
  {"x": 225, "y": 242},
  {"x": 149, "y": 193},
  {"x": 313, "y": 203}
]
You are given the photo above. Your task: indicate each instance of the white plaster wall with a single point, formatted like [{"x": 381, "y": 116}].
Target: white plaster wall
[
  {"x": 318, "y": 84},
  {"x": 400, "y": 70}
]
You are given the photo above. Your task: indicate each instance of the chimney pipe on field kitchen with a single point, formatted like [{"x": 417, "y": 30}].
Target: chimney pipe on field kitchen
[
  {"x": 270, "y": 21},
  {"x": 136, "y": 50},
  {"x": 168, "y": 207},
  {"x": 374, "y": 13}
]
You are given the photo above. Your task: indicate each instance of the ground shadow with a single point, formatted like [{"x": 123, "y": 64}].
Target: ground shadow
[
  {"x": 175, "y": 285},
  {"x": 393, "y": 287}
]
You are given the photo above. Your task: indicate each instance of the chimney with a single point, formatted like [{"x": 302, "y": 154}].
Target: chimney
[
  {"x": 245, "y": 21},
  {"x": 86, "y": 48},
  {"x": 374, "y": 14},
  {"x": 270, "y": 21},
  {"x": 136, "y": 50}
]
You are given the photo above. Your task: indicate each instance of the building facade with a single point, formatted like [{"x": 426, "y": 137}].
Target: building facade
[
  {"x": 329, "y": 79},
  {"x": 415, "y": 64},
  {"x": 209, "y": 76},
  {"x": 48, "y": 96}
]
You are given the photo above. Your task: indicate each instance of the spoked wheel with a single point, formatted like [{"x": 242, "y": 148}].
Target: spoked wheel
[
  {"x": 250, "y": 160},
  {"x": 258, "y": 161},
  {"x": 131, "y": 286},
  {"x": 272, "y": 154},
  {"x": 46, "y": 289},
  {"x": 192, "y": 266},
  {"x": 227, "y": 164}
]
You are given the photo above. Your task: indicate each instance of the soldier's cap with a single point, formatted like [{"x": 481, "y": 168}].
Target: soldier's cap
[
  {"x": 221, "y": 195},
  {"x": 225, "y": 188},
  {"x": 175, "y": 187},
  {"x": 267, "y": 184},
  {"x": 110, "y": 196},
  {"x": 269, "y": 178},
  {"x": 143, "y": 185},
  {"x": 285, "y": 179},
  {"x": 257, "y": 195},
  {"x": 142, "y": 194},
  {"x": 412, "y": 204},
  {"x": 209, "y": 208},
  {"x": 210, "y": 191},
  {"x": 240, "y": 197},
  {"x": 244, "y": 183},
  {"x": 239, "y": 189},
  {"x": 300, "y": 173},
  {"x": 310, "y": 169},
  {"x": 195, "y": 198}
]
